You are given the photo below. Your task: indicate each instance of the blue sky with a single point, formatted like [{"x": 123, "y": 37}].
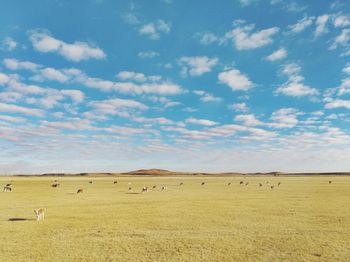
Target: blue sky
[{"x": 240, "y": 85}]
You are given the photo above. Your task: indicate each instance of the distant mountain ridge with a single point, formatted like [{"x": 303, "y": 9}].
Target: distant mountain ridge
[{"x": 164, "y": 172}]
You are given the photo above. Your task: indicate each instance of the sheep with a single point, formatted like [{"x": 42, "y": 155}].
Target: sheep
[
  {"x": 329, "y": 182},
  {"x": 39, "y": 213},
  {"x": 8, "y": 184},
  {"x": 247, "y": 183},
  {"x": 272, "y": 187},
  {"x": 7, "y": 189},
  {"x": 241, "y": 183},
  {"x": 229, "y": 184},
  {"x": 260, "y": 185},
  {"x": 181, "y": 184},
  {"x": 144, "y": 189},
  {"x": 90, "y": 182},
  {"x": 154, "y": 187},
  {"x": 278, "y": 183},
  {"x": 55, "y": 185},
  {"x": 115, "y": 182},
  {"x": 80, "y": 190},
  {"x": 203, "y": 183},
  {"x": 164, "y": 187}
]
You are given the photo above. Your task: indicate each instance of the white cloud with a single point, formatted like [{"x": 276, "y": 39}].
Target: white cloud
[
  {"x": 277, "y": 55},
  {"x": 244, "y": 39},
  {"x": 342, "y": 39},
  {"x": 206, "y": 38},
  {"x": 50, "y": 74},
  {"x": 321, "y": 25},
  {"x": 235, "y": 80},
  {"x": 12, "y": 119},
  {"x": 239, "y": 107},
  {"x": 196, "y": 65},
  {"x": 117, "y": 106},
  {"x": 148, "y": 54},
  {"x": 296, "y": 89},
  {"x": 285, "y": 118},
  {"x": 338, "y": 103},
  {"x": 4, "y": 79},
  {"x": 202, "y": 122},
  {"x": 14, "y": 64},
  {"x": 302, "y": 24},
  {"x": 76, "y": 95},
  {"x": 154, "y": 29},
  {"x": 20, "y": 109},
  {"x": 206, "y": 97},
  {"x": 247, "y": 2},
  {"x": 138, "y": 77},
  {"x": 248, "y": 120},
  {"x": 9, "y": 44},
  {"x": 294, "y": 86},
  {"x": 75, "y": 52},
  {"x": 341, "y": 21}
]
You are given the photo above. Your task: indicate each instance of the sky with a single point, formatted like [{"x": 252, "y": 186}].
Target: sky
[{"x": 185, "y": 85}]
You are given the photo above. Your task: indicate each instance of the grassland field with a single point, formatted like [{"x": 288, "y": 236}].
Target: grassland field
[{"x": 303, "y": 219}]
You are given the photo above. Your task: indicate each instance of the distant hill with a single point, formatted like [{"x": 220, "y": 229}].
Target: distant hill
[{"x": 163, "y": 172}]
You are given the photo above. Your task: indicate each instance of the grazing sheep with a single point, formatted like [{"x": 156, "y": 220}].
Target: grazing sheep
[
  {"x": 129, "y": 188},
  {"x": 278, "y": 183},
  {"x": 154, "y": 186},
  {"x": 229, "y": 184},
  {"x": 272, "y": 187},
  {"x": 247, "y": 183},
  {"x": 260, "y": 185},
  {"x": 329, "y": 182},
  {"x": 39, "y": 213},
  {"x": 7, "y": 189},
  {"x": 8, "y": 184},
  {"x": 115, "y": 182},
  {"x": 181, "y": 184},
  {"x": 55, "y": 185},
  {"x": 164, "y": 187},
  {"x": 90, "y": 182},
  {"x": 80, "y": 191},
  {"x": 203, "y": 183},
  {"x": 241, "y": 183},
  {"x": 144, "y": 189}
]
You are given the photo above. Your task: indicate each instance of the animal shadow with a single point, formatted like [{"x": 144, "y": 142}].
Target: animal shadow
[{"x": 20, "y": 219}]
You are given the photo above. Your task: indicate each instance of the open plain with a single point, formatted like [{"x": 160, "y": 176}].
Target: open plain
[{"x": 303, "y": 219}]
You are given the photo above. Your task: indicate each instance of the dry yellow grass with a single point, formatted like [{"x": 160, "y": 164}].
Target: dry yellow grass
[{"x": 304, "y": 219}]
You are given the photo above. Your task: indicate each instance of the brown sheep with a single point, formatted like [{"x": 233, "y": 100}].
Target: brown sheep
[{"x": 80, "y": 191}]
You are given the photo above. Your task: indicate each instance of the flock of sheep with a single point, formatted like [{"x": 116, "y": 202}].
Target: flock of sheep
[{"x": 39, "y": 213}]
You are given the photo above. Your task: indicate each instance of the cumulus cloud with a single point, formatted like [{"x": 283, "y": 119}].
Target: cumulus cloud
[
  {"x": 235, "y": 80},
  {"x": 295, "y": 86},
  {"x": 239, "y": 107},
  {"x": 196, "y": 65},
  {"x": 202, "y": 122},
  {"x": 11, "y": 108},
  {"x": 277, "y": 55},
  {"x": 244, "y": 38},
  {"x": 154, "y": 29},
  {"x": 284, "y": 118},
  {"x": 78, "y": 51},
  {"x": 338, "y": 103},
  {"x": 342, "y": 39},
  {"x": 248, "y": 120},
  {"x": 14, "y": 64},
  {"x": 135, "y": 76},
  {"x": 206, "y": 97}
]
